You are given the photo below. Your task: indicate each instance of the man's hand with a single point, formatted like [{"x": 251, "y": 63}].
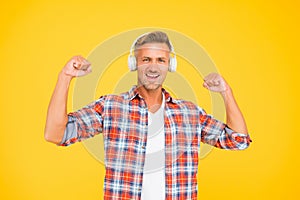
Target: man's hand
[
  {"x": 215, "y": 82},
  {"x": 77, "y": 66}
]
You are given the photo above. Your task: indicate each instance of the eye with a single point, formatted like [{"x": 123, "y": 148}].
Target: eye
[
  {"x": 161, "y": 60},
  {"x": 145, "y": 59}
]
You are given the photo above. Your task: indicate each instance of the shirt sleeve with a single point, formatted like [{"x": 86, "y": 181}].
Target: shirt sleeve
[
  {"x": 84, "y": 123},
  {"x": 218, "y": 134}
]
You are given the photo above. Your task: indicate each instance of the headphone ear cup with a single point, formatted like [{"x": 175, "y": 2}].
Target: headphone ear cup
[
  {"x": 173, "y": 64},
  {"x": 131, "y": 63}
]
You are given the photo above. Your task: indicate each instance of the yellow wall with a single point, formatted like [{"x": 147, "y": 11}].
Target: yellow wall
[{"x": 254, "y": 45}]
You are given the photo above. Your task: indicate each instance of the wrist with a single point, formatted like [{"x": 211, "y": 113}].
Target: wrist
[
  {"x": 227, "y": 93},
  {"x": 64, "y": 77}
]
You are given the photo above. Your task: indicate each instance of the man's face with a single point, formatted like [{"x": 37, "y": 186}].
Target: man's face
[{"x": 152, "y": 64}]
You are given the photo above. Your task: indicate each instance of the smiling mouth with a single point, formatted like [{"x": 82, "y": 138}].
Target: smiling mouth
[{"x": 152, "y": 76}]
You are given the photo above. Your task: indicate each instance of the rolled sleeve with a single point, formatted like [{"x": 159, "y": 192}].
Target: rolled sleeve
[
  {"x": 70, "y": 134},
  {"x": 232, "y": 140},
  {"x": 84, "y": 123},
  {"x": 218, "y": 134}
]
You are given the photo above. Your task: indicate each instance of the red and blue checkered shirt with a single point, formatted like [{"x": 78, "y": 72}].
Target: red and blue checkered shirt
[{"x": 123, "y": 120}]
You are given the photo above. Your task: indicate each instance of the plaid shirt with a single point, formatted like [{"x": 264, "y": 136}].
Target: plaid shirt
[{"x": 123, "y": 120}]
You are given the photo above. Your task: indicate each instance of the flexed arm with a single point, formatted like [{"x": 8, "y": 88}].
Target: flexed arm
[
  {"x": 57, "y": 110},
  {"x": 234, "y": 117}
]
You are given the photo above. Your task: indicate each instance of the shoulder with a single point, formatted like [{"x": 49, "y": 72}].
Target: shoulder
[
  {"x": 184, "y": 104},
  {"x": 114, "y": 97},
  {"x": 181, "y": 104}
]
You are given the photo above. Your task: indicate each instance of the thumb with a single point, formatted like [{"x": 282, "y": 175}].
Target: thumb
[
  {"x": 81, "y": 72},
  {"x": 205, "y": 85}
]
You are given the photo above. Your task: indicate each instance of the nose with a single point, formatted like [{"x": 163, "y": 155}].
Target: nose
[{"x": 153, "y": 68}]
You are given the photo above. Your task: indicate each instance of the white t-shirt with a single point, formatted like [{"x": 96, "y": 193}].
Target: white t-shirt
[{"x": 154, "y": 168}]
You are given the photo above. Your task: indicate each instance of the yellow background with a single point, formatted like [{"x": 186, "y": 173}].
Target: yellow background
[{"x": 254, "y": 44}]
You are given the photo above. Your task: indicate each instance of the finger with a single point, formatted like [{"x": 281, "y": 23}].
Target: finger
[
  {"x": 89, "y": 69},
  {"x": 75, "y": 64},
  {"x": 208, "y": 79},
  {"x": 80, "y": 73},
  {"x": 205, "y": 85},
  {"x": 80, "y": 63},
  {"x": 78, "y": 58},
  {"x": 83, "y": 63},
  {"x": 216, "y": 82},
  {"x": 212, "y": 80},
  {"x": 212, "y": 76},
  {"x": 85, "y": 66},
  {"x": 210, "y": 83},
  {"x": 84, "y": 72}
]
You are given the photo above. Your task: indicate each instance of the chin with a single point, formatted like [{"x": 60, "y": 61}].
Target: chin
[{"x": 152, "y": 86}]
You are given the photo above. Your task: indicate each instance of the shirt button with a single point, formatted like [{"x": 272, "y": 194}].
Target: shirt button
[{"x": 143, "y": 147}]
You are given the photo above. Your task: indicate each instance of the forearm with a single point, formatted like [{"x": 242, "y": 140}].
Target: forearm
[
  {"x": 234, "y": 116},
  {"x": 57, "y": 110}
]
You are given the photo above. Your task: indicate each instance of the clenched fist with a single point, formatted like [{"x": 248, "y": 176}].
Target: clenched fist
[
  {"x": 77, "y": 66},
  {"x": 215, "y": 82}
]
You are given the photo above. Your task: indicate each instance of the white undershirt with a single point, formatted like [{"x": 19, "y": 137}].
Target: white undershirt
[{"x": 154, "y": 168}]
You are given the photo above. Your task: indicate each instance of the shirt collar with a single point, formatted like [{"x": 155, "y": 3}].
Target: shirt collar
[{"x": 133, "y": 93}]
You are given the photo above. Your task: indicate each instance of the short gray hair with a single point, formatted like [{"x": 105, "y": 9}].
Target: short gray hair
[{"x": 153, "y": 37}]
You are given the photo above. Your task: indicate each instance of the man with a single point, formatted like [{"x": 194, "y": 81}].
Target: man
[{"x": 128, "y": 122}]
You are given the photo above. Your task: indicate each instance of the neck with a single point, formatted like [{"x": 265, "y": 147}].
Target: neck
[{"x": 153, "y": 98}]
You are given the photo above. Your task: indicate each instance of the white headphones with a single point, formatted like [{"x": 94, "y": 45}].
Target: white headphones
[{"x": 132, "y": 59}]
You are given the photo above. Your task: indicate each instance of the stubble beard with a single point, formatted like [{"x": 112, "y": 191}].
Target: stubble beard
[{"x": 149, "y": 85}]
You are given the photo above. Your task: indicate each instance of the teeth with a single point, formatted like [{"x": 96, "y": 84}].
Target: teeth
[{"x": 152, "y": 75}]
